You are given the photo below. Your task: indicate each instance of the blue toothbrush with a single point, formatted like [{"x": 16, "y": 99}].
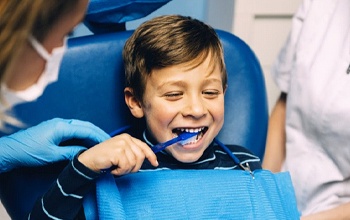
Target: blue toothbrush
[{"x": 184, "y": 138}]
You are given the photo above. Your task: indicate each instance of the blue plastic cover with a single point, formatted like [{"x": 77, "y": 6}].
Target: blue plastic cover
[{"x": 103, "y": 15}]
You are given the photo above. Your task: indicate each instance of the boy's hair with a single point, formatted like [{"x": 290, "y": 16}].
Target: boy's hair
[{"x": 165, "y": 41}]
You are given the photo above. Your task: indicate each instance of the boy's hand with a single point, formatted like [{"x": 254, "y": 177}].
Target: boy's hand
[{"x": 123, "y": 152}]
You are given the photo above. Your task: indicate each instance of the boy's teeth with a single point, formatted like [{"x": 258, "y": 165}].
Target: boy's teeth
[{"x": 192, "y": 130}]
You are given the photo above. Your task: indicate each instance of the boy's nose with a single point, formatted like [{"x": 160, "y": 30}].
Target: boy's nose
[{"x": 194, "y": 108}]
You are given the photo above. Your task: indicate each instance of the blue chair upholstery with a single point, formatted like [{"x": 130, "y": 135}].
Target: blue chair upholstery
[{"x": 90, "y": 87}]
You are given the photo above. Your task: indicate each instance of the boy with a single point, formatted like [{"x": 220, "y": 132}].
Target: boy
[{"x": 176, "y": 79}]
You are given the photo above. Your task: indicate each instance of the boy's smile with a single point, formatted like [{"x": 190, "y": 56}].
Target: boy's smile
[{"x": 185, "y": 98}]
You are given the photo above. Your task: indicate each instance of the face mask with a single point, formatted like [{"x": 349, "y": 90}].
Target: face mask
[{"x": 49, "y": 75}]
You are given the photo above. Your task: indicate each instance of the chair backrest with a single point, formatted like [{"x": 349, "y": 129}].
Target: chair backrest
[{"x": 90, "y": 87}]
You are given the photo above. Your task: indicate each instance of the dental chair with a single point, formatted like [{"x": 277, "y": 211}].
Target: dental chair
[{"x": 90, "y": 87}]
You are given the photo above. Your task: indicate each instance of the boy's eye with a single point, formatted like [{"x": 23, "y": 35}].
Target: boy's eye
[
  {"x": 211, "y": 93},
  {"x": 173, "y": 95}
]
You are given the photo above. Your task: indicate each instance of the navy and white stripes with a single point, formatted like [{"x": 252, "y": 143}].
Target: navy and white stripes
[{"x": 65, "y": 197}]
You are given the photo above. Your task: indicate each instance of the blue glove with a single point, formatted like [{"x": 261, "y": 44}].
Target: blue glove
[{"x": 39, "y": 145}]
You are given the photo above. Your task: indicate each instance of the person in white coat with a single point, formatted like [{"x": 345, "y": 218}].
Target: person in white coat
[{"x": 309, "y": 133}]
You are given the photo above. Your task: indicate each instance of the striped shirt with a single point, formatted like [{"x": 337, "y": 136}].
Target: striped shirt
[{"x": 65, "y": 197}]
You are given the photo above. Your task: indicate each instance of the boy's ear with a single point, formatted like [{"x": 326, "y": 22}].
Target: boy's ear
[
  {"x": 133, "y": 104},
  {"x": 225, "y": 88}
]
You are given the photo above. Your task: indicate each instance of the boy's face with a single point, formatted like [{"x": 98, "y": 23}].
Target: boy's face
[{"x": 180, "y": 97}]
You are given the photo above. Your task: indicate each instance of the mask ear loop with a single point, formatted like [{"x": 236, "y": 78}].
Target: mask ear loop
[{"x": 39, "y": 48}]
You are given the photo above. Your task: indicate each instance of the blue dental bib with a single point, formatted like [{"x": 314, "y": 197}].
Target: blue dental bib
[{"x": 193, "y": 194}]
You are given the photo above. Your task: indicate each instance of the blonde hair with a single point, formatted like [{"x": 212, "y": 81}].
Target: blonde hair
[{"x": 19, "y": 20}]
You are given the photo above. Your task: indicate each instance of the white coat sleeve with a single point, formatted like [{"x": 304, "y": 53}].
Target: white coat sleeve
[{"x": 283, "y": 66}]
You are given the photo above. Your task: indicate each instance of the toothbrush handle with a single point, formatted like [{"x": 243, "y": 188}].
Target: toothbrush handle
[{"x": 162, "y": 146}]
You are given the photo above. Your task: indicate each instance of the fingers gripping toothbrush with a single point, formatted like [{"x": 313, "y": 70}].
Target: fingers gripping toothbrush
[{"x": 183, "y": 138}]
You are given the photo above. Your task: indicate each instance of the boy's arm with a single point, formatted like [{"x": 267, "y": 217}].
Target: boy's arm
[
  {"x": 276, "y": 136},
  {"x": 64, "y": 199}
]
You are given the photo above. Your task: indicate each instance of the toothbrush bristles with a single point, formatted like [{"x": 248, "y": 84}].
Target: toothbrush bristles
[{"x": 193, "y": 137}]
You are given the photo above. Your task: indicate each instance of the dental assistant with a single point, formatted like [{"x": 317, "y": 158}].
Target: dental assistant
[
  {"x": 309, "y": 133},
  {"x": 33, "y": 41}
]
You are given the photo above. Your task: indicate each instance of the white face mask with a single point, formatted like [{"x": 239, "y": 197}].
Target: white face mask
[{"x": 49, "y": 75}]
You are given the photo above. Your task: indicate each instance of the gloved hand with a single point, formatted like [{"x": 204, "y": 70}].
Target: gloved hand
[{"x": 39, "y": 145}]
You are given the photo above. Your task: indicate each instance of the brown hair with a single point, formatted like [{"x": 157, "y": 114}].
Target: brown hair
[{"x": 165, "y": 41}]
